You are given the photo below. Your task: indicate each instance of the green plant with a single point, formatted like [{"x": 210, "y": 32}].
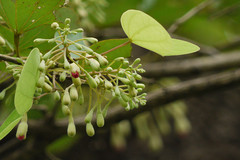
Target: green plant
[{"x": 62, "y": 65}]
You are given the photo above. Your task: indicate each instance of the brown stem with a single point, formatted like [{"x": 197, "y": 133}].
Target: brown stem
[
  {"x": 119, "y": 46},
  {"x": 16, "y": 42}
]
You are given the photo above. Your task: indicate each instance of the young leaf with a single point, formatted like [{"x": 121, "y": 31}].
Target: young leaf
[
  {"x": 27, "y": 83},
  {"x": 11, "y": 121},
  {"x": 146, "y": 32}
]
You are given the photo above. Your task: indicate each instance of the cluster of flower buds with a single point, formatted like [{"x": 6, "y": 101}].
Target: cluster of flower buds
[{"x": 103, "y": 76}]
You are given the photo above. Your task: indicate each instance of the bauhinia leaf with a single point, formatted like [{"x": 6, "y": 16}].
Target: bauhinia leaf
[
  {"x": 27, "y": 82},
  {"x": 11, "y": 121},
  {"x": 146, "y": 32}
]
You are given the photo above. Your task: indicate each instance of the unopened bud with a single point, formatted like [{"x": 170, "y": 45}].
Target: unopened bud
[
  {"x": 89, "y": 116},
  {"x": 125, "y": 97},
  {"x": 42, "y": 66},
  {"x": 92, "y": 40},
  {"x": 2, "y": 94},
  {"x": 47, "y": 87},
  {"x": 67, "y": 21},
  {"x": 65, "y": 110},
  {"x": 77, "y": 81},
  {"x": 124, "y": 80},
  {"x": 2, "y": 41},
  {"x": 122, "y": 102},
  {"x": 56, "y": 96},
  {"x": 78, "y": 46},
  {"x": 54, "y": 25},
  {"x": 40, "y": 40},
  {"x": 92, "y": 83},
  {"x": 137, "y": 76},
  {"x": 90, "y": 130},
  {"x": 136, "y": 61},
  {"x": 103, "y": 61},
  {"x": 132, "y": 91},
  {"x": 117, "y": 91},
  {"x": 140, "y": 85},
  {"x": 66, "y": 98},
  {"x": 71, "y": 130},
  {"x": 94, "y": 64},
  {"x": 100, "y": 120},
  {"x": 141, "y": 70},
  {"x": 87, "y": 49},
  {"x": 66, "y": 64},
  {"x": 63, "y": 76},
  {"x": 109, "y": 69},
  {"x": 73, "y": 93},
  {"x": 108, "y": 85},
  {"x": 22, "y": 131},
  {"x": 47, "y": 55},
  {"x": 41, "y": 81}
]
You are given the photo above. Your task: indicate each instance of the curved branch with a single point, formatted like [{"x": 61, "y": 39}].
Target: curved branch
[{"x": 192, "y": 66}]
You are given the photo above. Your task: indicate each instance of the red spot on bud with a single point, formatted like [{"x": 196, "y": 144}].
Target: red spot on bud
[
  {"x": 75, "y": 74},
  {"x": 21, "y": 137}
]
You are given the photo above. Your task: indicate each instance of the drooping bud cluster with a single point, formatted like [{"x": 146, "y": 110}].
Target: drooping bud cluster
[{"x": 71, "y": 64}]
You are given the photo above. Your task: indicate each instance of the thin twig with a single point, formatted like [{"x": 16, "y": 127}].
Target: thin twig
[
  {"x": 9, "y": 59},
  {"x": 189, "y": 15}
]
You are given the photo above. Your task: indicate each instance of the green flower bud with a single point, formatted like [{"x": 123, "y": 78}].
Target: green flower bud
[
  {"x": 2, "y": 41},
  {"x": 47, "y": 87},
  {"x": 121, "y": 73},
  {"x": 103, "y": 61},
  {"x": 66, "y": 100},
  {"x": 76, "y": 81},
  {"x": 125, "y": 97},
  {"x": 41, "y": 81},
  {"x": 66, "y": 110},
  {"x": 89, "y": 116},
  {"x": 143, "y": 102},
  {"x": 109, "y": 69},
  {"x": 78, "y": 46},
  {"x": 94, "y": 64},
  {"x": 22, "y": 130},
  {"x": 71, "y": 130},
  {"x": 63, "y": 76},
  {"x": 10, "y": 67},
  {"x": 80, "y": 97},
  {"x": 74, "y": 68},
  {"x": 141, "y": 70},
  {"x": 132, "y": 91},
  {"x": 92, "y": 40},
  {"x": 117, "y": 91},
  {"x": 39, "y": 90},
  {"x": 139, "y": 90},
  {"x": 40, "y": 40},
  {"x": 125, "y": 64},
  {"x": 66, "y": 64},
  {"x": 100, "y": 120},
  {"x": 2, "y": 94},
  {"x": 56, "y": 96},
  {"x": 124, "y": 80},
  {"x": 119, "y": 59},
  {"x": 54, "y": 25},
  {"x": 42, "y": 66},
  {"x": 90, "y": 130},
  {"x": 122, "y": 102},
  {"x": 128, "y": 107},
  {"x": 136, "y": 61},
  {"x": 78, "y": 30},
  {"x": 108, "y": 85},
  {"x": 47, "y": 55},
  {"x": 96, "y": 78},
  {"x": 73, "y": 93},
  {"x": 137, "y": 76},
  {"x": 67, "y": 21},
  {"x": 140, "y": 85},
  {"x": 132, "y": 104},
  {"x": 52, "y": 40},
  {"x": 92, "y": 83},
  {"x": 87, "y": 49}
]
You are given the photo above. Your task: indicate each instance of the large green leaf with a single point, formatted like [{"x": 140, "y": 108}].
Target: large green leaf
[
  {"x": 146, "y": 32},
  {"x": 23, "y": 15},
  {"x": 105, "y": 45},
  {"x": 8, "y": 35},
  {"x": 27, "y": 82},
  {"x": 11, "y": 121}
]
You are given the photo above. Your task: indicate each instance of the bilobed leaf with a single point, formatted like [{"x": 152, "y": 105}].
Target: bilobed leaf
[
  {"x": 11, "y": 121},
  {"x": 105, "y": 45},
  {"x": 27, "y": 82},
  {"x": 146, "y": 32},
  {"x": 7, "y": 10}
]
